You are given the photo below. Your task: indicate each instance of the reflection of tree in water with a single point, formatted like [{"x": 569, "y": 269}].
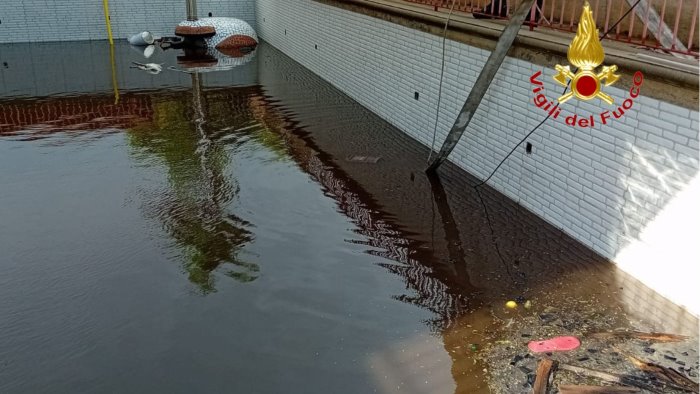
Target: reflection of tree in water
[{"x": 193, "y": 210}]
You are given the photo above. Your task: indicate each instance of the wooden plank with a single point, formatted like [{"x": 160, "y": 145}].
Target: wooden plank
[
  {"x": 483, "y": 81},
  {"x": 574, "y": 389},
  {"x": 608, "y": 377},
  {"x": 646, "y": 336},
  {"x": 667, "y": 375},
  {"x": 544, "y": 368},
  {"x": 628, "y": 380}
]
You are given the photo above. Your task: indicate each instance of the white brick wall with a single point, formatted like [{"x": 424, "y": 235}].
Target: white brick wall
[
  {"x": 605, "y": 186},
  {"x": 65, "y": 20}
]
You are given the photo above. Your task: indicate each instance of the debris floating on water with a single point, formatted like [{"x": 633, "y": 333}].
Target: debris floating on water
[
  {"x": 364, "y": 159},
  {"x": 151, "y": 68}
]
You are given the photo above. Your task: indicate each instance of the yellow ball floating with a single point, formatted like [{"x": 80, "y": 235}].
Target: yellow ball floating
[{"x": 511, "y": 305}]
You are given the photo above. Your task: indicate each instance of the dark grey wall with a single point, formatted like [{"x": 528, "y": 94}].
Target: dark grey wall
[{"x": 43, "y": 69}]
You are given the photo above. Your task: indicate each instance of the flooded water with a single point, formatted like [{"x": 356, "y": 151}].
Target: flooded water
[{"x": 255, "y": 230}]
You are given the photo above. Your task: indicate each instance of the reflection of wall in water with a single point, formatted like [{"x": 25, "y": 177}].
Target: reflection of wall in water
[
  {"x": 43, "y": 69},
  {"x": 73, "y": 114},
  {"x": 342, "y": 128}
]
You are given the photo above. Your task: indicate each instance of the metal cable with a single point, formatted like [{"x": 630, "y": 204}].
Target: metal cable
[{"x": 442, "y": 74}]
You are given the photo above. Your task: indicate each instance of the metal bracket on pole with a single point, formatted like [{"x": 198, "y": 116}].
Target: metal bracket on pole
[{"x": 482, "y": 84}]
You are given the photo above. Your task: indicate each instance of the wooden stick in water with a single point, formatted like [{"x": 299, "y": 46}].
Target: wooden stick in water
[{"x": 544, "y": 368}]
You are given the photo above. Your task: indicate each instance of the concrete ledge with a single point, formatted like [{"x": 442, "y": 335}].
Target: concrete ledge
[{"x": 666, "y": 78}]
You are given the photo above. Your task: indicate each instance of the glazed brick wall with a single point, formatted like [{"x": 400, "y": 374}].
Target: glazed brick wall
[
  {"x": 66, "y": 20},
  {"x": 602, "y": 185}
]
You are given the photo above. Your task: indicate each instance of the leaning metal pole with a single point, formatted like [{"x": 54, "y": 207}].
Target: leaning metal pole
[
  {"x": 191, "y": 10},
  {"x": 482, "y": 84}
]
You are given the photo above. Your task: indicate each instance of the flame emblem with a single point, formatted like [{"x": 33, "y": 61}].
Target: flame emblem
[{"x": 586, "y": 53}]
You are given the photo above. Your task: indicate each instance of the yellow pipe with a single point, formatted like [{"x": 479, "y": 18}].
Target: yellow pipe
[
  {"x": 105, "y": 6},
  {"x": 115, "y": 83}
]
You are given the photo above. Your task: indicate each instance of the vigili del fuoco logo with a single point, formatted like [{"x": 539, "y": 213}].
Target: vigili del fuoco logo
[{"x": 586, "y": 53}]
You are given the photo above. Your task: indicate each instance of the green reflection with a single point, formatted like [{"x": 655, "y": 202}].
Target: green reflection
[{"x": 195, "y": 208}]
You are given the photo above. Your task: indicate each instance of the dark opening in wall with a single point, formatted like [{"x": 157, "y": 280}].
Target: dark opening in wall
[
  {"x": 210, "y": 14},
  {"x": 416, "y": 95},
  {"x": 316, "y": 46},
  {"x": 528, "y": 148}
]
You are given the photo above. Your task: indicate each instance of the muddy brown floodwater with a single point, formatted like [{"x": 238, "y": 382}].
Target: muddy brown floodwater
[{"x": 256, "y": 230}]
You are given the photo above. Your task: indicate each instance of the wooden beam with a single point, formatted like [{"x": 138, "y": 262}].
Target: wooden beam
[
  {"x": 483, "y": 81},
  {"x": 544, "y": 368},
  {"x": 627, "y": 380},
  {"x": 575, "y": 389},
  {"x": 645, "y": 336},
  {"x": 665, "y": 375}
]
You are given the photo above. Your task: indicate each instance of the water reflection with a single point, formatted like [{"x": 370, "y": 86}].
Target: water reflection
[
  {"x": 458, "y": 254},
  {"x": 196, "y": 208},
  {"x": 457, "y": 313},
  {"x": 28, "y": 120},
  {"x": 199, "y": 60},
  {"x": 379, "y": 233},
  {"x": 203, "y": 59}
]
